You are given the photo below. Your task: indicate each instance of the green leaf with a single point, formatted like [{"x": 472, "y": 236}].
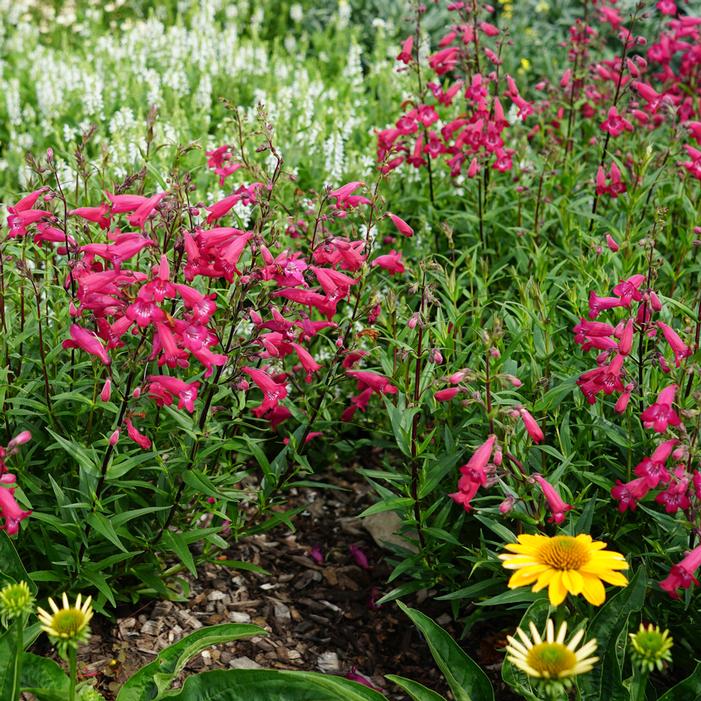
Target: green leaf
[
  {"x": 514, "y": 596},
  {"x": 156, "y": 677},
  {"x": 608, "y": 626},
  {"x": 240, "y": 565},
  {"x": 418, "y": 692},
  {"x": 271, "y": 685},
  {"x": 78, "y": 453},
  {"x": 103, "y": 526},
  {"x": 99, "y": 581},
  {"x": 465, "y": 678},
  {"x": 8, "y": 672},
  {"x": 12, "y": 567},
  {"x": 689, "y": 688},
  {"x": 396, "y": 504},
  {"x": 42, "y": 677},
  {"x": 176, "y": 544}
]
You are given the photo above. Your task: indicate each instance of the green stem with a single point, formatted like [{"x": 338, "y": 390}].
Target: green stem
[
  {"x": 639, "y": 685},
  {"x": 73, "y": 672},
  {"x": 17, "y": 662}
]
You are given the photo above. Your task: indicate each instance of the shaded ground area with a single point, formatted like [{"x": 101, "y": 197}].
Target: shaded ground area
[{"x": 320, "y": 617}]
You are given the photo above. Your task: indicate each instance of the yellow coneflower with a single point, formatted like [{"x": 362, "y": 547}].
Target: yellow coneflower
[
  {"x": 574, "y": 564},
  {"x": 549, "y": 657},
  {"x": 69, "y": 624}
]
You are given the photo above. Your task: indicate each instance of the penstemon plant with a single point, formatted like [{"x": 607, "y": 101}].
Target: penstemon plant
[{"x": 154, "y": 318}]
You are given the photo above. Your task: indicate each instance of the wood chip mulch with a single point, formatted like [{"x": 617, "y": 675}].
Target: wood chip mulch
[{"x": 319, "y": 616}]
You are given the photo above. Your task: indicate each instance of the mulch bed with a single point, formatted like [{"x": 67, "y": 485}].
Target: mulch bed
[{"x": 319, "y": 617}]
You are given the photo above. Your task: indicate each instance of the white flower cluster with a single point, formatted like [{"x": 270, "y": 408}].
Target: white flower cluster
[{"x": 52, "y": 87}]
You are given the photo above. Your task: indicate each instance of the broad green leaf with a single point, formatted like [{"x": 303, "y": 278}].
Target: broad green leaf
[
  {"x": 689, "y": 688},
  {"x": 44, "y": 678},
  {"x": 157, "y": 676},
  {"x": 465, "y": 678},
  {"x": 271, "y": 685},
  {"x": 604, "y": 681},
  {"x": 418, "y": 692}
]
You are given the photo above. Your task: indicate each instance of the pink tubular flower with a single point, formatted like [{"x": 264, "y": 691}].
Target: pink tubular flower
[
  {"x": 679, "y": 348},
  {"x": 378, "y": 383},
  {"x": 27, "y": 202},
  {"x": 681, "y": 576},
  {"x": 598, "y": 304},
  {"x": 653, "y": 468},
  {"x": 630, "y": 493},
  {"x": 407, "y": 48},
  {"x": 445, "y": 395},
  {"x": 273, "y": 392},
  {"x": 122, "y": 204},
  {"x": 615, "y": 125},
  {"x": 98, "y": 215},
  {"x": 344, "y": 194},
  {"x": 11, "y": 512},
  {"x": 163, "y": 388},
  {"x": 144, "y": 211},
  {"x": 444, "y": 60},
  {"x": 392, "y": 262},
  {"x": 622, "y": 402},
  {"x": 139, "y": 438},
  {"x": 20, "y": 439},
  {"x": 557, "y": 506},
  {"x": 611, "y": 243},
  {"x": 87, "y": 341},
  {"x": 305, "y": 358},
  {"x": 202, "y": 306},
  {"x": 534, "y": 431},
  {"x": 402, "y": 226},
  {"x": 106, "y": 392},
  {"x": 473, "y": 474},
  {"x": 660, "y": 414},
  {"x": 626, "y": 343}
]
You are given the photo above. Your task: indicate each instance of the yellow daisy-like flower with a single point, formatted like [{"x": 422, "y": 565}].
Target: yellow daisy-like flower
[
  {"x": 574, "y": 564},
  {"x": 69, "y": 624},
  {"x": 548, "y": 657}
]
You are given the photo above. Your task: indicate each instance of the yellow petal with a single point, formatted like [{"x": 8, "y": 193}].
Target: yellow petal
[
  {"x": 557, "y": 591},
  {"x": 594, "y": 591},
  {"x": 573, "y": 581},
  {"x": 615, "y": 578},
  {"x": 526, "y": 576},
  {"x": 544, "y": 579}
]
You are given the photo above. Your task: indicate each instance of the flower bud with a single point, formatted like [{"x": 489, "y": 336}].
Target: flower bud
[
  {"x": 650, "y": 648},
  {"x": 15, "y": 600},
  {"x": 507, "y": 505}
]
